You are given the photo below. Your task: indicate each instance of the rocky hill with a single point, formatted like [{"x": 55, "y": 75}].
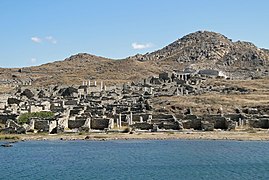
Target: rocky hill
[
  {"x": 204, "y": 49},
  {"x": 199, "y": 50}
]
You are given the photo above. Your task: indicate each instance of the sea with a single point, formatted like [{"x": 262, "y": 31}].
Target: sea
[{"x": 135, "y": 159}]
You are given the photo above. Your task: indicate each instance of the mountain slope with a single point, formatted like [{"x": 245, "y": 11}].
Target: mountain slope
[{"x": 199, "y": 50}]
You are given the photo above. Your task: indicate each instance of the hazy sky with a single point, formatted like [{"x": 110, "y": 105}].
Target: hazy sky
[{"x": 34, "y": 32}]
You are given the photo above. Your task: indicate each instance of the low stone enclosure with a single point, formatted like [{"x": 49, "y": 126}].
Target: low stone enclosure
[{"x": 93, "y": 106}]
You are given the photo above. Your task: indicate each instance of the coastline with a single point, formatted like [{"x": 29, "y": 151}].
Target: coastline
[{"x": 197, "y": 135}]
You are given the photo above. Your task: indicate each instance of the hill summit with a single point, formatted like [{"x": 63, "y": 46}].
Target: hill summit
[{"x": 204, "y": 49}]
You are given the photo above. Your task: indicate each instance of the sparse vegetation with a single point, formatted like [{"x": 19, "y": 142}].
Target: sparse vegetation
[
  {"x": 229, "y": 102},
  {"x": 25, "y": 118}
]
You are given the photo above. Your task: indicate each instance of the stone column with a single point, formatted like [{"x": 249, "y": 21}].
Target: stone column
[
  {"x": 240, "y": 122},
  {"x": 127, "y": 119},
  {"x": 104, "y": 111},
  {"x": 236, "y": 124},
  {"x": 95, "y": 83},
  {"x": 90, "y": 119},
  {"x": 118, "y": 123},
  {"x": 149, "y": 118},
  {"x": 177, "y": 92},
  {"x": 101, "y": 86},
  {"x": 83, "y": 83},
  {"x": 89, "y": 83},
  {"x": 111, "y": 123},
  {"x": 141, "y": 119},
  {"x": 131, "y": 118},
  {"x": 120, "y": 120}
]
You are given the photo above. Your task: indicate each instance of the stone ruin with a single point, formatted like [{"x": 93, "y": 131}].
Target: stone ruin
[{"x": 95, "y": 107}]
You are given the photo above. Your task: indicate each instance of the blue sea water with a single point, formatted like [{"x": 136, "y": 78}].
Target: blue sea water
[{"x": 135, "y": 159}]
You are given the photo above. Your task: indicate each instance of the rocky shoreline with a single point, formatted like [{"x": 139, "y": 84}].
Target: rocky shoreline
[{"x": 199, "y": 135}]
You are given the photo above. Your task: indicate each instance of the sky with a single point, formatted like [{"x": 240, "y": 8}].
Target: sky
[{"x": 35, "y": 32}]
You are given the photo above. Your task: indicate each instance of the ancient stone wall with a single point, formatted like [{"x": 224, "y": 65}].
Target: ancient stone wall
[
  {"x": 99, "y": 123},
  {"x": 195, "y": 124},
  {"x": 4, "y": 117},
  {"x": 218, "y": 121},
  {"x": 41, "y": 125},
  {"x": 207, "y": 126},
  {"x": 74, "y": 112},
  {"x": 136, "y": 117},
  {"x": 173, "y": 126},
  {"x": 259, "y": 123},
  {"x": 73, "y": 124},
  {"x": 142, "y": 126},
  {"x": 234, "y": 117},
  {"x": 159, "y": 118}
]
